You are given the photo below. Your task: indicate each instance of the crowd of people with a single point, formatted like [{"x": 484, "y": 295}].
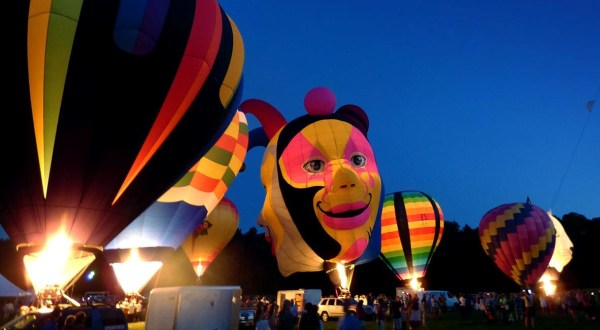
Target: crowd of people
[
  {"x": 132, "y": 307},
  {"x": 411, "y": 312},
  {"x": 405, "y": 311},
  {"x": 524, "y": 306}
]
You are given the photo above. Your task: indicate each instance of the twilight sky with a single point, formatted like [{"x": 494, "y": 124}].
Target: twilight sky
[{"x": 477, "y": 103}]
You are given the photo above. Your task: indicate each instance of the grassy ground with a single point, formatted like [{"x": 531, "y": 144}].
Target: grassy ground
[{"x": 451, "y": 320}]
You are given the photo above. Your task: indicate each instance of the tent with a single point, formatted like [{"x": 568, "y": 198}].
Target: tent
[{"x": 8, "y": 289}]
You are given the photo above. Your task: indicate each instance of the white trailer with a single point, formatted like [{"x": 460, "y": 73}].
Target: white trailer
[
  {"x": 194, "y": 307},
  {"x": 299, "y": 297}
]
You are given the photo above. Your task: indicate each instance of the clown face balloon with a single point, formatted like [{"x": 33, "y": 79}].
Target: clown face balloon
[{"x": 323, "y": 189}]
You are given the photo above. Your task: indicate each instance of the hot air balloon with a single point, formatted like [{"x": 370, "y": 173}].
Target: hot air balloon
[
  {"x": 412, "y": 225},
  {"x": 211, "y": 237},
  {"x": 163, "y": 227},
  {"x": 323, "y": 189},
  {"x": 562, "y": 255},
  {"x": 111, "y": 103},
  {"x": 520, "y": 239}
]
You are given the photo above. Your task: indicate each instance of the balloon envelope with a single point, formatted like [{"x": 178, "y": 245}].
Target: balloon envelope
[
  {"x": 109, "y": 110},
  {"x": 323, "y": 190},
  {"x": 184, "y": 207},
  {"x": 164, "y": 226},
  {"x": 211, "y": 237},
  {"x": 112, "y": 102},
  {"x": 520, "y": 239},
  {"x": 412, "y": 225},
  {"x": 563, "y": 249}
]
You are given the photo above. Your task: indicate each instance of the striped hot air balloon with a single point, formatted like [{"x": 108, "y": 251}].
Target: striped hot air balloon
[
  {"x": 111, "y": 102},
  {"x": 520, "y": 239},
  {"x": 412, "y": 224}
]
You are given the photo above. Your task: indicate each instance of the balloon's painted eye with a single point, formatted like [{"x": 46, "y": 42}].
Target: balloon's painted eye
[
  {"x": 314, "y": 166},
  {"x": 358, "y": 160}
]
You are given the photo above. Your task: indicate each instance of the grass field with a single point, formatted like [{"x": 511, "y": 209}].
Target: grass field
[{"x": 451, "y": 320}]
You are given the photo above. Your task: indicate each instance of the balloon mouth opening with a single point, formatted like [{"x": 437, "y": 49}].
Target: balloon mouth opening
[{"x": 56, "y": 265}]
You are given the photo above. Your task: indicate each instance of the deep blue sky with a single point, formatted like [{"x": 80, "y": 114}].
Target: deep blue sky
[{"x": 477, "y": 103}]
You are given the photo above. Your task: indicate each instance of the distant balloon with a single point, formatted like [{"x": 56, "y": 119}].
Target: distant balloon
[
  {"x": 520, "y": 239},
  {"x": 563, "y": 250},
  {"x": 211, "y": 237},
  {"x": 323, "y": 188},
  {"x": 412, "y": 225}
]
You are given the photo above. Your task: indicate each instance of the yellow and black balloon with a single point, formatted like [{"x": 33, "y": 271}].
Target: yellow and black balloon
[
  {"x": 211, "y": 237},
  {"x": 323, "y": 188}
]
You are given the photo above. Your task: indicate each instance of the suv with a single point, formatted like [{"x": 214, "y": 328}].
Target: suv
[
  {"x": 99, "y": 317},
  {"x": 331, "y": 307}
]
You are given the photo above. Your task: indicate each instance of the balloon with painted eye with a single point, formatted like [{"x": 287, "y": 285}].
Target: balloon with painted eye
[
  {"x": 520, "y": 239},
  {"x": 412, "y": 225},
  {"x": 323, "y": 188},
  {"x": 112, "y": 102}
]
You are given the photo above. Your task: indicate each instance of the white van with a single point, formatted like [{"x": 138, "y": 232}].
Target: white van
[{"x": 299, "y": 297}]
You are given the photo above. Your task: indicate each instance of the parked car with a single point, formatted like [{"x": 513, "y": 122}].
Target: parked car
[
  {"x": 247, "y": 318},
  {"x": 330, "y": 308},
  {"x": 99, "y": 317}
]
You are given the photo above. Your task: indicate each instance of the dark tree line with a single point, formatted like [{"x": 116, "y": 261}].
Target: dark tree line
[{"x": 458, "y": 265}]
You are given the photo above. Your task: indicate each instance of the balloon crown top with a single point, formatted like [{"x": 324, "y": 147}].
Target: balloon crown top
[{"x": 319, "y": 101}]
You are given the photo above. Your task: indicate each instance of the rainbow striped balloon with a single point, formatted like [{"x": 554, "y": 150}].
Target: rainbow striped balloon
[{"x": 412, "y": 224}]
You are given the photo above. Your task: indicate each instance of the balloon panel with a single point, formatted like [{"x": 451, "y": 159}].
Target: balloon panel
[
  {"x": 412, "y": 224},
  {"x": 520, "y": 239},
  {"x": 184, "y": 207}
]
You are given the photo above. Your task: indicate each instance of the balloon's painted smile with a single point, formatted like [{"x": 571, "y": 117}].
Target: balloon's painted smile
[{"x": 347, "y": 219}]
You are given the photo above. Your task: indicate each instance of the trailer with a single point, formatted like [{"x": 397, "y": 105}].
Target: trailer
[
  {"x": 194, "y": 307},
  {"x": 299, "y": 297}
]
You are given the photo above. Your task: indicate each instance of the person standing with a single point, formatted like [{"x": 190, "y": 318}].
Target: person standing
[
  {"x": 380, "y": 314},
  {"x": 349, "y": 321},
  {"x": 395, "y": 310},
  {"x": 309, "y": 320},
  {"x": 261, "y": 317},
  {"x": 360, "y": 314},
  {"x": 285, "y": 319},
  {"x": 414, "y": 314},
  {"x": 529, "y": 316},
  {"x": 272, "y": 315}
]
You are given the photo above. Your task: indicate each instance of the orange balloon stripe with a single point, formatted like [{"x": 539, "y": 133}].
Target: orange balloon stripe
[{"x": 197, "y": 61}]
